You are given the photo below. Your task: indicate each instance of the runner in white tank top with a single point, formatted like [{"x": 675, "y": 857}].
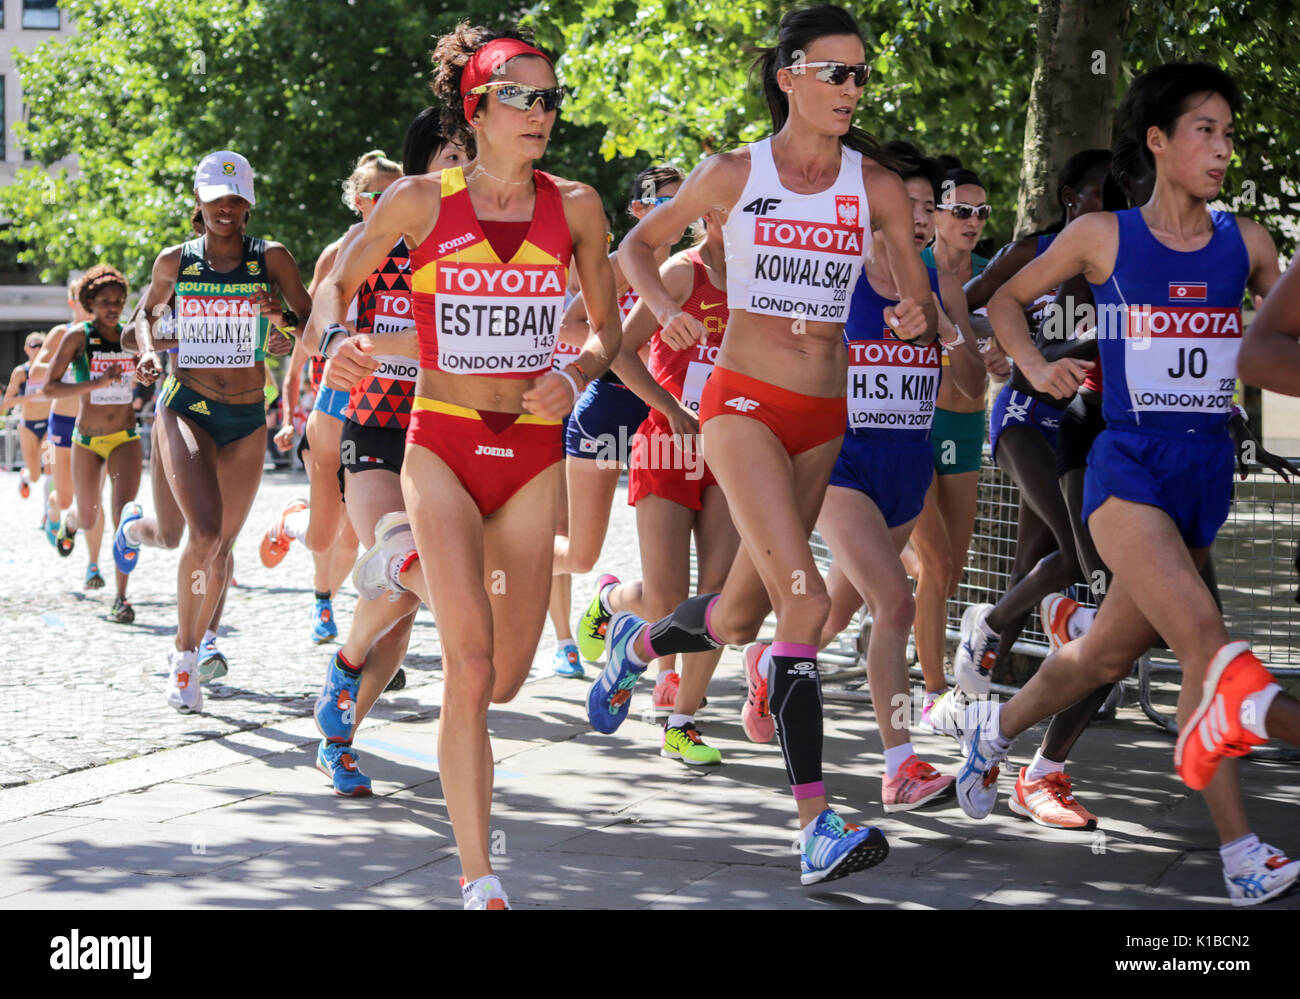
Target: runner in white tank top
[{"x": 800, "y": 209}]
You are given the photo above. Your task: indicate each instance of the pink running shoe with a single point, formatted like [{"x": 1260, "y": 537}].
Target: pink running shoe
[
  {"x": 665, "y": 694},
  {"x": 755, "y": 716},
  {"x": 915, "y": 784}
]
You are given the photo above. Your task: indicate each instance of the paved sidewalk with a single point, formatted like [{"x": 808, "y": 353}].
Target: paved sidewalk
[{"x": 227, "y": 810}]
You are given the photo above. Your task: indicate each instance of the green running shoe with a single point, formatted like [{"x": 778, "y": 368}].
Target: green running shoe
[
  {"x": 595, "y": 620},
  {"x": 684, "y": 743}
]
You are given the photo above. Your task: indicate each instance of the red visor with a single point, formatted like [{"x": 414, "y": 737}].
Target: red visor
[{"x": 485, "y": 61}]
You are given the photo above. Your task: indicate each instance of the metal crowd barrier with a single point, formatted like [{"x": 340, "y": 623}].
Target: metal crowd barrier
[{"x": 1254, "y": 562}]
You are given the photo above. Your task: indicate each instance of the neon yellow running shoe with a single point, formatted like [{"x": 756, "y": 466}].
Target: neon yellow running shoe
[
  {"x": 684, "y": 743},
  {"x": 595, "y": 620}
]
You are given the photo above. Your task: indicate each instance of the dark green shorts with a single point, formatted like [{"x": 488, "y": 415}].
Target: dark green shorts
[
  {"x": 224, "y": 422},
  {"x": 957, "y": 440}
]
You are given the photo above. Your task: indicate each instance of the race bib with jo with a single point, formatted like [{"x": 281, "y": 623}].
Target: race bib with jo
[{"x": 1182, "y": 359}]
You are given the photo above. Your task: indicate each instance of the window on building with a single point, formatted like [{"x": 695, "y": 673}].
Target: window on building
[{"x": 41, "y": 14}]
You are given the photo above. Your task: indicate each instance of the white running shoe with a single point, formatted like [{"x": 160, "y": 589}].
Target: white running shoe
[
  {"x": 393, "y": 538},
  {"x": 947, "y": 715},
  {"x": 977, "y": 780},
  {"x": 972, "y": 666},
  {"x": 1266, "y": 873},
  {"x": 183, "y": 690},
  {"x": 484, "y": 893}
]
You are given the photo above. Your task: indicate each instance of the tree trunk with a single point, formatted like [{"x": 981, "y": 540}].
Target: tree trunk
[{"x": 1071, "y": 99}]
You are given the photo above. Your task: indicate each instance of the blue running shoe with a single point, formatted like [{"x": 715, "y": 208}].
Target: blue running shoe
[
  {"x": 323, "y": 628},
  {"x": 567, "y": 663},
  {"x": 834, "y": 850},
  {"x": 611, "y": 695},
  {"x": 338, "y": 762},
  {"x": 336, "y": 707},
  {"x": 212, "y": 662},
  {"x": 125, "y": 553},
  {"x": 52, "y": 532}
]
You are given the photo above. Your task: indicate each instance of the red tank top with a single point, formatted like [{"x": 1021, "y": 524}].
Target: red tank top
[
  {"x": 684, "y": 372},
  {"x": 383, "y": 398},
  {"x": 1092, "y": 380},
  {"x": 477, "y": 314}
]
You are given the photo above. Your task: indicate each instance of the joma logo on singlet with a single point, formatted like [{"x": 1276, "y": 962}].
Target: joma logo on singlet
[
  {"x": 495, "y": 452},
  {"x": 451, "y": 244}
]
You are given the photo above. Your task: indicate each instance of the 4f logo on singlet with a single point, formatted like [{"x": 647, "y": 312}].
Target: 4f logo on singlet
[{"x": 761, "y": 206}]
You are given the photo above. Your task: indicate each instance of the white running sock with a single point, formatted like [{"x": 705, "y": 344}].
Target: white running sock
[
  {"x": 1255, "y": 707},
  {"x": 1234, "y": 853},
  {"x": 1042, "y": 766},
  {"x": 1080, "y": 621},
  {"x": 806, "y": 832},
  {"x": 677, "y": 721},
  {"x": 896, "y": 757},
  {"x": 999, "y": 741},
  {"x": 295, "y": 525},
  {"x": 663, "y": 673},
  {"x": 765, "y": 664},
  {"x": 630, "y": 649},
  {"x": 25, "y": 475},
  {"x": 208, "y": 636},
  {"x": 132, "y": 536},
  {"x": 602, "y": 595}
]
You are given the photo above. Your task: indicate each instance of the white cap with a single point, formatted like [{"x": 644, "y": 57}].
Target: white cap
[{"x": 224, "y": 173}]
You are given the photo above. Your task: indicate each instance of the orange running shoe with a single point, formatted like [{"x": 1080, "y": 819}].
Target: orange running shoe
[
  {"x": 1215, "y": 730},
  {"x": 665, "y": 695},
  {"x": 756, "y": 716},
  {"x": 275, "y": 545},
  {"x": 1048, "y": 802},
  {"x": 916, "y": 784},
  {"x": 1055, "y": 611}
]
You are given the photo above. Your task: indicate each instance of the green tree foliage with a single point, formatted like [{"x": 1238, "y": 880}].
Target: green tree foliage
[
  {"x": 671, "y": 78},
  {"x": 144, "y": 90}
]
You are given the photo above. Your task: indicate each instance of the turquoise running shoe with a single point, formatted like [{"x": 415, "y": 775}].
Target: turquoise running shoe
[
  {"x": 336, "y": 707},
  {"x": 323, "y": 628},
  {"x": 212, "y": 662},
  {"x": 594, "y": 623},
  {"x": 832, "y": 851},
  {"x": 338, "y": 762},
  {"x": 611, "y": 695},
  {"x": 567, "y": 663}
]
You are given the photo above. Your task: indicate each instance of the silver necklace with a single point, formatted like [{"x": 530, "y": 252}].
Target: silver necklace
[{"x": 479, "y": 169}]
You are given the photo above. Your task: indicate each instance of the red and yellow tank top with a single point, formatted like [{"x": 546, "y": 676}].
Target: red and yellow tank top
[
  {"x": 684, "y": 372},
  {"x": 477, "y": 314},
  {"x": 383, "y": 398}
]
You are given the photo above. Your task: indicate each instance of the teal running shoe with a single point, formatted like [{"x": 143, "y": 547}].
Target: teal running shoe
[
  {"x": 338, "y": 762},
  {"x": 212, "y": 662},
  {"x": 567, "y": 663},
  {"x": 323, "y": 628},
  {"x": 336, "y": 707}
]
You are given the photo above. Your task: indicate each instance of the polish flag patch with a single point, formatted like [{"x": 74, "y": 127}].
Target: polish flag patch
[{"x": 1187, "y": 291}]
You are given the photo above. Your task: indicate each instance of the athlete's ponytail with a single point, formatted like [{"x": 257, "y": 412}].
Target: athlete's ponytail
[
  {"x": 363, "y": 174},
  {"x": 799, "y": 29}
]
